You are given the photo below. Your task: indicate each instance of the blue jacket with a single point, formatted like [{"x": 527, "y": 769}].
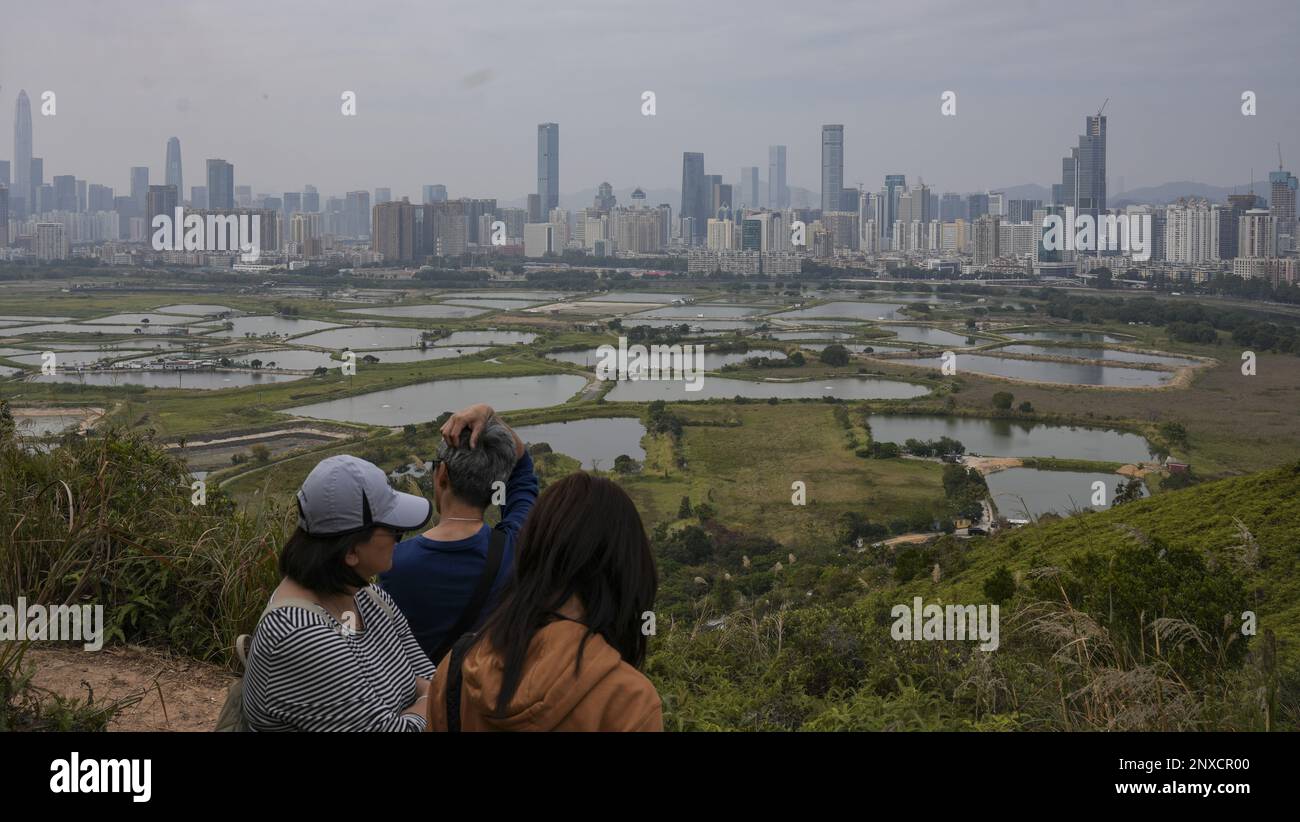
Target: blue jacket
[{"x": 432, "y": 580}]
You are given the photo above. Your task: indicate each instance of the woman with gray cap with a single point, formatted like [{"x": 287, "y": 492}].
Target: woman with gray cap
[{"x": 331, "y": 651}]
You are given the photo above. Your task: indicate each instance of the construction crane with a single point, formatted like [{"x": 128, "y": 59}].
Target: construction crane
[
  {"x": 1103, "y": 107},
  {"x": 1279, "y": 156}
]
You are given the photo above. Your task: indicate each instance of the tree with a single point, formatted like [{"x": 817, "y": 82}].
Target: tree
[
  {"x": 1000, "y": 585},
  {"x": 684, "y": 510},
  {"x": 624, "y": 464},
  {"x": 1026, "y": 407},
  {"x": 261, "y": 453},
  {"x": 1002, "y": 400},
  {"x": 836, "y": 355},
  {"x": 1104, "y": 277}
]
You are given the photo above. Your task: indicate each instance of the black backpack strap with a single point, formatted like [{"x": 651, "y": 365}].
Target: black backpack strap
[
  {"x": 469, "y": 616},
  {"x": 454, "y": 679}
]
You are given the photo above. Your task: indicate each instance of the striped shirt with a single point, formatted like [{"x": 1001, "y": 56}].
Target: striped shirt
[{"x": 308, "y": 672}]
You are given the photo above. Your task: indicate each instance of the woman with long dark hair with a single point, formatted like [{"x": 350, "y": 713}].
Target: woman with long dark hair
[{"x": 562, "y": 650}]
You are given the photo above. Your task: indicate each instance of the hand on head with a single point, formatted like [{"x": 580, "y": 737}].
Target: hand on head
[{"x": 475, "y": 418}]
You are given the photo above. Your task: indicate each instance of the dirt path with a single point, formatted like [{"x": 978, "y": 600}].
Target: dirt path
[{"x": 191, "y": 697}]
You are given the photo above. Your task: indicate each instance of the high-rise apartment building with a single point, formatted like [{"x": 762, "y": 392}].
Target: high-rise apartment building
[
  {"x": 310, "y": 199},
  {"x": 1282, "y": 190}
]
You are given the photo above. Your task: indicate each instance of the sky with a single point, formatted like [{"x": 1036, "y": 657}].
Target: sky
[{"x": 452, "y": 93}]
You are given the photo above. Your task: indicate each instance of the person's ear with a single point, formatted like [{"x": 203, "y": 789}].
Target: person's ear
[{"x": 352, "y": 558}]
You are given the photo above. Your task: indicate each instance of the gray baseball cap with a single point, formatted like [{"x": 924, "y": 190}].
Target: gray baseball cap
[{"x": 345, "y": 494}]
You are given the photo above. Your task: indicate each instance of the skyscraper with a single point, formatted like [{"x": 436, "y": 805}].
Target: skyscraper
[
  {"x": 161, "y": 200},
  {"x": 65, "y": 192},
  {"x": 749, "y": 187},
  {"x": 1083, "y": 173},
  {"x": 22, "y": 196},
  {"x": 894, "y": 186},
  {"x": 548, "y": 167},
  {"x": 832, "y": 167},
  {"x": 198, "y": 196},
  {"x": 695, "y": 195},
  {"x": 221, "y": 185},
  {"x": 778, "y": 194},
  {"x": 1282, "y": 186},
  {"x": 4, "y": 215},
  {"x": 139, "y": 189},
  {"x": 383, "y": 195},
  {"x": 310, "y": 199},
  {"x": 435, "y": 193},
  {"x": 173, "y": 173}
]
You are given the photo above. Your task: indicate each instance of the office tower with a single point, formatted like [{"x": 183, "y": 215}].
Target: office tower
[
  {"x": 65, "y": 192},
  {"x": 383, "y": 195},
  {"x": 548, "y": 167},
  {"x": 1191, "y": 232},
  {"x": 977, "y": 205},
  {"x": 244, "y": 196},
  {"x": 934, "y": 206},
  {"x": 778, "y": 193},
  {"x": 914, "y": 205},
  {"x": 221, "y": 185},
  {"x": 45, "y": 198},
  {"x": 310, "y": 199},
  {"x": 436, "y": 193},
  {"x": 894, "y": 186},
  {"x": 1282, "y": 185},
  {"x": 952, "y": 207},
  {"x": 199, "y": 197},
  {"x": 749, "y": 196},
  {"x": 604, "y": 199},
  {"x": 1022, "y": 211},
  {"x": 161, "y": 200},
  {"x": 721, "y": 197},
  {"x": 356, "y": 214},
  {"x": 535, "y": 214},
  {"x": 99, "y": 198},
  {"x": 848, "y": 200},
  {"x": 22, "y": 197},
  {"x": 81, "y": 195},
  {"x": 139, "y": 189},
  {"x": 1083, "y": 173},
  {"x": 172, "y": 176},
  {"x": 832, "y": 167},
  {"x": 695, "y": 196},
  {"x": 292, "y": 203},
  {"x": 4, "y": 215},
  {"x": 1257, "y": 234},
  {"x": 1230, "y": 222},
  {"x": 51, "y": 241},
  {"x": 4, "y": 173},
  {"x": 987, "y": 236}
]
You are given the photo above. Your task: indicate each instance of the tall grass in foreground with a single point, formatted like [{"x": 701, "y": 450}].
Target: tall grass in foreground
[{"x": 108, "y": 520}]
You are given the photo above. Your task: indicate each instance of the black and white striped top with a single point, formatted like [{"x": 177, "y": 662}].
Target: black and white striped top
[{"x": 308, "y": 672}]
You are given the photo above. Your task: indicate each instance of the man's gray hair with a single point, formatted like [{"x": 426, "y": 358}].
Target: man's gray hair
[{"x": 471, "y": 471}]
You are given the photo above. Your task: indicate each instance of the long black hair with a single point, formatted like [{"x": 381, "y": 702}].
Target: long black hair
[{"x": 585, "y": 538}]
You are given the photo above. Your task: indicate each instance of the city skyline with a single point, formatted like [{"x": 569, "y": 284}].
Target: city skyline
[{"x": 469, "y": 123}]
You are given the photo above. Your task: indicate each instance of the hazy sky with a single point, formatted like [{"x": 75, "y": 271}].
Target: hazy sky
[{"x": 452, "y": 92}]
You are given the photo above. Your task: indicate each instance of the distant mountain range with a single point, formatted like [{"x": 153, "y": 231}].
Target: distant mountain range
[{"x": 804, "y": 198}]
